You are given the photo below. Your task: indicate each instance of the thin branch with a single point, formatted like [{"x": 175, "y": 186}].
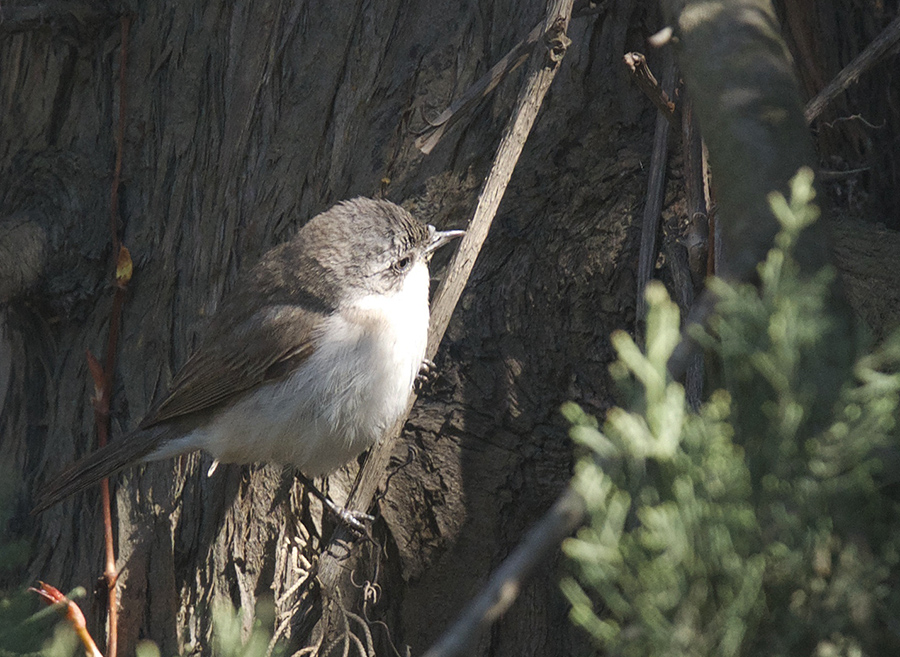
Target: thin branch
[
  {"x": 643, "y": 77},
  {"x": 831, "y": 176},
  {"x": 656, "y": 188},
  {"x": 518, "y": 55},
  {"x": 543, "y": 68},
  {"x": 484, "y": 86},
  {"x": 104, "y": 375},
  {"x": 504, "y": 585},
  {"x": 874, "y": 52},
  {"x": 696, "y": 237}
]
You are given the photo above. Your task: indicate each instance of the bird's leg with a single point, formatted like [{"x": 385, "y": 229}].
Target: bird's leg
[
  {"x": 355, "y": 521},
  {"x": 426, "y": 376}
]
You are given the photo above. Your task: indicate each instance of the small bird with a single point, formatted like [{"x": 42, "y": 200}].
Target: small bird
[{"x": 307, "y": 362}]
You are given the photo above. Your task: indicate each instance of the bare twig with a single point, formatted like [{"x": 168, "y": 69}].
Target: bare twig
[
  {"x": 484, "y": 86},
  {"x": 542, "y": 70},
  {"x": 696, "y": 192},
  {"x": 853, "y": 117},
  {"x": 656, "y": 187},
  {"x": 874, "y": 52},
  {"x": 504, "y": 585},
  {"x": 696, "y": 238},
  {"x": 644, "y": 79},
  {"x": 103, "y": 375},
  {"x": 831, "y": 176},
  {"x": 510, "y": 62}
]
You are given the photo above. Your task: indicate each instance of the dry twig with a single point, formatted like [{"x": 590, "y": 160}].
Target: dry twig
[
  {"x": 696, "y": 237},
  {"x": 644, "y": 78},
  {"x": 103, "y": 374},
  {"x": 874, "y": 52},
  {"x": 656, "y": 187},
  {"x": 502, "y": 589},
  {"x": 484, "y": 86},
  {"x": 510, "y": 62},
  {"x": 543, "y": 67}
]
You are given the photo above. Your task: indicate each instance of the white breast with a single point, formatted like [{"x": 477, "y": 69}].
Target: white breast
[{"x": 341, "y": 400}]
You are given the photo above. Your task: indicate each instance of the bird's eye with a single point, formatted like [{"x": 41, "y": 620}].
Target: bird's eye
[{"x": 403, "y": 263}]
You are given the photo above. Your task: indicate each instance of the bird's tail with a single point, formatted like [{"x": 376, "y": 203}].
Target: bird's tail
[{"x": 97, "y": 465}]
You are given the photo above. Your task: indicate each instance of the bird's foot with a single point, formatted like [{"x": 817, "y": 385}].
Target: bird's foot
[
  {"x": 427, "y": 375},
  {"x": 356, "y": 521}
]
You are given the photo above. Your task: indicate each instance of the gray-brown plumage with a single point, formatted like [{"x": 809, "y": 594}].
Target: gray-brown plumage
[{"x": 307, "y": 361}]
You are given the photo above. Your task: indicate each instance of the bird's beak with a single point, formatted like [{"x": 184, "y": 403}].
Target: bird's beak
[{"x": 441, "y": 237}]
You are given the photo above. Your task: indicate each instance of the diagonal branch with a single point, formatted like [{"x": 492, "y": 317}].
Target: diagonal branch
[
  {"x": 656, "y": 181},
  {"x": 564, "y": 517},
  {"x": 511, "y": 61},
  {"x": 874, "y": 52},
  {"x": 543, "y": 68},
  {"x": 484, "y": 86},
  {"x": 647, "y": 82}
]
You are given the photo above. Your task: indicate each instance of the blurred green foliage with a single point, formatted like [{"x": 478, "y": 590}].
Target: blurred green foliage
[
  {"x": 44, "y": 634},
  {"x": 764, "y": 524},
  {"x": 27, "y": 627},
  {"x": 228, "y": 632}
]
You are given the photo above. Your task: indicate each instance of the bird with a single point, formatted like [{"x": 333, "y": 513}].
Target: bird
[{"x": 308, "y": 360}]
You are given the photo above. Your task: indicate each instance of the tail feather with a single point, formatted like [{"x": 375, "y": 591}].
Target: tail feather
[{"x": 98, "y": 465}]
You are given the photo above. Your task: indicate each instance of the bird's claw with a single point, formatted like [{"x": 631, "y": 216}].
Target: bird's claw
[
  {"x": 426, "y": 376},
  {"x": 355, "y": 521}
]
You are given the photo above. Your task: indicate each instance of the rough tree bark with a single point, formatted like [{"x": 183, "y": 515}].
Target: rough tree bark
[
  {"x": 244, "y": 121},
  {"x": 241, "y": 124}
]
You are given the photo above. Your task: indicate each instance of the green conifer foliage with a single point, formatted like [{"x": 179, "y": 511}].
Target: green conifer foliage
[{"x": 764, "y": 524}]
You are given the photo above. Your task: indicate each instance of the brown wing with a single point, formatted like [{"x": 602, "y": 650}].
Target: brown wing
[{"x": 266, "y": 346}]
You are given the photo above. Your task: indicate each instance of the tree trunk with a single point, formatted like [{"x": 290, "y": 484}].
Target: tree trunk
[
  {"x": 243, "y": 122},
  {"x": 240, "y": 125}
]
